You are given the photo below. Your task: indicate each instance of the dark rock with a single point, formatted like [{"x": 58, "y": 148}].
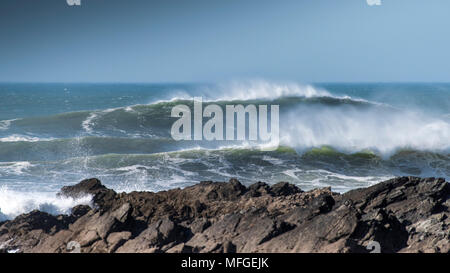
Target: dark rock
[
  {"x": 88, "y": 186},
  {"x": 102, "y": 196},
  {"x": 283, "y": 189},
  {"x": 199, "y": 225},
  {"x": 258, "y": 189},
  {"x": 80, "y": 210},
  {"x": 229, "y": 247},
  {"x": 406, "y": 214},
  {"x": 35, "y": 220},
  {"x": 227, "y": 191},
  {"x": 117, "y": 239}
]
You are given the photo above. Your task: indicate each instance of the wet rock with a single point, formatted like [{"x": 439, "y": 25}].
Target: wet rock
[
  {"x": 101, "y": 196},
  {"x": 88, "y": 186}
]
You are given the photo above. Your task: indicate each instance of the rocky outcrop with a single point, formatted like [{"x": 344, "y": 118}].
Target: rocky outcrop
[{"x": 406, "y": 214}]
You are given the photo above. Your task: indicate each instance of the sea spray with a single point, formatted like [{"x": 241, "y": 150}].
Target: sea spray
[{"x": 13, "y": 203}]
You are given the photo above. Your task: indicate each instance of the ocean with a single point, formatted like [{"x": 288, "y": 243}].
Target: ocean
[{"x": 340, "y": 135}]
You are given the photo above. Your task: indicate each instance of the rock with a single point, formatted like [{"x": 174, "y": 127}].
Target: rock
[
  {"x": 258, "y": 189},
  {"x": 225, "y": 191},
  {"x": 110, "y": 221},
  {"x": 102, "y": 196},
  {"x": 283, "y": 189},
  {"x": 80, "y": 210},
  {"x": 117, "y": 239},
  {"x": 156, "y": 236},
  {"x": 405, "y": 214},
  {"x": 88, "y": 237},
  {"x": 36, "y": 220},
  {"x": 199, "y": 225},
  {"x": 229, "y": 247},
  {"x": 180, "y": 248},
  {"x": 89, "y": 186}
]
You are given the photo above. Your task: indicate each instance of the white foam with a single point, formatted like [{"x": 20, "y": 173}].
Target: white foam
[
  {"x": 129, "y": 109},
  {"x": 261, "y": 89},
  {"x": 318, "y": 178},
  {"x": 174, "y": 98},
  {"x": 87, "y": 124},
  {"x": 291, "y": 173},
  {"x": 250, "y": 90},
  {"x": 273, "y": 160},
  {"x": 14, "y": 203},
  {"x": 14, "y": 168},
  {"x": 353, "y": 130},
  {"x": 4, "y": 124},
  {"x": 24, "y": 138},
  {"x": 134, "y": 168},
  {"x": 369, "y": 180}
]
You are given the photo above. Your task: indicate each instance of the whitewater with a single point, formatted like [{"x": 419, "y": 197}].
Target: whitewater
[{"x": 340, "y": 135}]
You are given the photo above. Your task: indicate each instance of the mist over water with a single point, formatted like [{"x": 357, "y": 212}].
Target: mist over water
[
  {"x": 380, "y": 129},
  {"x": 340, "y": 135}
]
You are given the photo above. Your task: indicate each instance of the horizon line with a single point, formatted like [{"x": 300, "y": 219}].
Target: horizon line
[{"x": 199, "y": 82}]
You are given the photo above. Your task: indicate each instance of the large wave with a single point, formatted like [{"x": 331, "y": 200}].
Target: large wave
[
  {"x": 327, "y": 139},
  {"x": 351, "y": 129},
  {"x": 311, "y": 117}
]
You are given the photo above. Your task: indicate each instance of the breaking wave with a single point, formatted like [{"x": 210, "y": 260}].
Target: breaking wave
[
  {"x": 327, "y": 139},
  {"x": 13, "y": 203},
  {"x": 311, "y": 118}
]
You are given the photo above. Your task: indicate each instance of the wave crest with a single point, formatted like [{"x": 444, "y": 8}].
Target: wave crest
[
  {"x": 261, "y": 89},
  {"x": 354, "y": 130}
]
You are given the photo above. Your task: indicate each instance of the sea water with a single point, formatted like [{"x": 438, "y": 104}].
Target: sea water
[{"x": 341, "y": 135}]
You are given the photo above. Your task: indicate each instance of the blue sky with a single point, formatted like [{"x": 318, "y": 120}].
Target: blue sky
[{"x": 218, "y": 40}]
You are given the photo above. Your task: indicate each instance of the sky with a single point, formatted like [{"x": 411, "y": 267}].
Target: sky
[{"x": 218, "y": 40}]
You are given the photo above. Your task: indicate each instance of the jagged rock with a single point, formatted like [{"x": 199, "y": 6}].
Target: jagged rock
[
  {"x": 102, "y": 196},
  {"x": 156, "y": 235},
  {"x": 284, "y": 188},
  {"x": 80, "y": 210},
  {"x": 199, "y": 225},
  {"x": 258, "y": 189},
  {"x": 406, "y": 214},
  {"x": 36, "y": 220}
]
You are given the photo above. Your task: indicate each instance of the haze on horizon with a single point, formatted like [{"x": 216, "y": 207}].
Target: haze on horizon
[{"x": 217, "y": 40}]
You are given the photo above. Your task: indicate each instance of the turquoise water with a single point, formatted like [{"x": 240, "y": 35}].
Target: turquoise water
[{"x": 339, "y": 135}]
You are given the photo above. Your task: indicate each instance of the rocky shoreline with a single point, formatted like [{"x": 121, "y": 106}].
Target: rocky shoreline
[{"x": 405, "y": 214}]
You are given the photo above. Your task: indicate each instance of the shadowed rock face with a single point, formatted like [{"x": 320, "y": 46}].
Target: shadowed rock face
[{"x": 406, "y": 214}]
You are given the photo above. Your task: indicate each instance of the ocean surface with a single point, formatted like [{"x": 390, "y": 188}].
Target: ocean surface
[{"x": 340, "y": 135}]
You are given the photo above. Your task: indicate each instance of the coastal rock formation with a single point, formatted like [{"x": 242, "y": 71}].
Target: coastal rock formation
[{"x": 406, "y": 214}]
